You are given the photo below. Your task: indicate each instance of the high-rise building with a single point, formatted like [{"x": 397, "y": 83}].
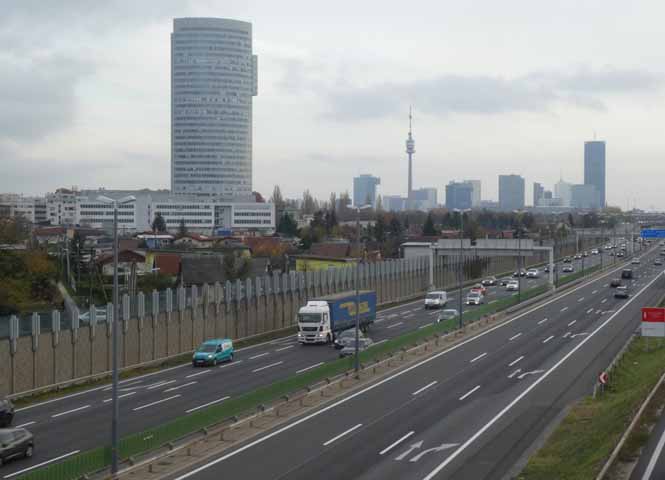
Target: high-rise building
[
  {"x": 364, "y": 190},
  {"x": 538, "y": 193},
  {"x": 511, "y": 192},
  {"x": 584, "y": 196},
  {"x": 459, "y": 195},
  {"x": 562, "y": 192},
  {"x": 424, "y": 199},
  {"x": 594, "y": 167},
  {"x": 475, "y": 192},
  {"x": 394, "y": 203},
  {"x": 213, "y": 80}
]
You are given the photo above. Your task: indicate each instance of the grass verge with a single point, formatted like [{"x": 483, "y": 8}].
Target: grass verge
[{"x": 584, "y": 440}]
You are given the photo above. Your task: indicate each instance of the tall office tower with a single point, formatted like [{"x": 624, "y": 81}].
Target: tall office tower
[
  {"x": 213, "y": 80},
  {"x": 563, "y": 192},
  {"x": 538, "y": 193},
  {"x": 511, "y": 192},
  {"x": 475, "y": 193},
  {"x": 594, "y": 167},
  {"x": 410, "y": 150},
  {"x": 459, "y": 195},
  {"x": 364, "y": 190}
]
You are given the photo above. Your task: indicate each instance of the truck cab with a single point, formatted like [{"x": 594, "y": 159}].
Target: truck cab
[{"x": 314, "y": 323}]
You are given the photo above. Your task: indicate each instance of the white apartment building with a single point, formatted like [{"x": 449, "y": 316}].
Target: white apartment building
[
  {"x": 61, "y": 207},
  {"x": 32, "y": 209}
]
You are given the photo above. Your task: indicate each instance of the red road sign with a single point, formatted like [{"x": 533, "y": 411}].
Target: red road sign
[
  {"x": 603, "y": 378},
  {"x": 653, "y": 314}
]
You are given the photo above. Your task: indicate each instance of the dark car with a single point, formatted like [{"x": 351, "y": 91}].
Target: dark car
[
  {"x": 346, "y": 337},
  {"x": 15, "y": 443},
  {"x": 489, "y": 282},
  {"x": 621, "y": 292},
  {"x": 567, "y": 260},
  {"x": 620, "y": 254},
  {"x": 6, "y": 412},
  {"x": 616, "y": 282},
  {"x": 658, "y": 262},
  {"x": 350, "y": 348},
  {"x": 547, "y": 268},
  {"x": 519, "y": 273},
  {"x": 504, "y": 281},
  {"x": 627, "y": 273}
]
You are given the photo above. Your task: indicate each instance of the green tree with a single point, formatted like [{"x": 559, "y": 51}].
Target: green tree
[
  {"x": 182, "y": 229},
  {"x": 236, "y": 266},
  {"x": 158, "y": 224},
  {"x": 309, "y": 205},
  {"x": 380, "y": 229},
  {"x": 428, "y": 226},
  {"x": 287, "y": 225},
  {"x": 396, "y": 229}
]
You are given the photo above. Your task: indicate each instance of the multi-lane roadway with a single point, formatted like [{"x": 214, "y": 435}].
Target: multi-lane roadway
[
  {"x": 82, "y": 419},
  {"x": 474, "y": 411}
]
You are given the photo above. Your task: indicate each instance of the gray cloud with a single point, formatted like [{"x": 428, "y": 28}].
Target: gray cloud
[{"x": 479, "y": 94}]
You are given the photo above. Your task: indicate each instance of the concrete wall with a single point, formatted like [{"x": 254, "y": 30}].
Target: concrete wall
[{"x": 231, "y": 310}]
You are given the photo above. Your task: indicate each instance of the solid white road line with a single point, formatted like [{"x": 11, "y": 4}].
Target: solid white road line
[
  {"x": 70, "y": 411},
  {"x": 230, "y": 364},
  {"x": 469, "y": 392},
  {"x": 392, "y": 377},
  {"x": 526, "y": 391},
  {"x": 542, "y": 321},
  {"x": 152, "y": 385},
  {"x": 572, "y": 323},
  {"x": 206, "y": 405},
  {"x": 42, "y": 464},
  {"x": 379, "y": 342},
  {"x": 310, "y": 367},
  {"x": 478, "y": 357},
  {"x": 284, "y": 348},
  {"x": 395, "y": 325},
  {"x": 424, "y": 388},
  {"x": 515, "y": 361},
  {"x": 259, "y": 355},
  {"x": 202, "y": 372},
  {"x": 342, "y": 434},
  {"x": 654, "y": 458},
  {"x": 567, "y": 334},
  {"x": 493, "y": 301},
  {"x": 156, "y": 403},
  {"x": 424, "y": 326},
  {"x": 564, "y": 309},
  {"x": 515, "y": 373},
  {"x": 163, "y": 384},
  {"x": 119, "y": 396},
  {"x": 25, "y": 425},
  {"x": 548, "y": 339},
  {"x": 515, "y": 336},
  {"x": 393, "y": 445},
  {"x": 179, "y": 387},
  {"x": 267, "y": 366}
]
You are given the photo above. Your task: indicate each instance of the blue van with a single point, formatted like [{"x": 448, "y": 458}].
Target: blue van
[{"x": 211, "y": 352}]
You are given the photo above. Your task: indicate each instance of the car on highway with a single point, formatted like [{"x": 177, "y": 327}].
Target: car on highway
[
  {"x": 635, "y": 261},
  {"x": 615, "y": 282},
  {"x": 627, "y": 273},
  {"x": 6, "y": 412},
  {"x": 621, "y": 292},
  {"x": 585, "y": 254},
  {"x": 436, "y": 299},
  {"x": 211, "y": 352},
  {"x": 505, "y": 281},
  {"x": 620, "y": 254},
  {"x": 578, "y": 256},
  {"x": 15, "y": 443},
  {"x": 595, "y": 251},
  {"x": 513, "y": 286},
  {"x": 547, "y": 268},
  {"x": 350, "y": 348},
  {"x": 662, "y": 253},
  {"x": 532, "y": 273},
  {"x": 479, "y": 288},
  {"x": 347, "y": 336},
  {"x": 519, "y": 273},
  {"x": 567, "y": 269},
  {"x": 475, "y": 298},
  {"x": 658, "y": 262},
  {"x": 447, "y": 314},
  {"x": 100, "y": 316},
  {"x": 567, "y": 260},
  {"x": 489, "y": 282}
]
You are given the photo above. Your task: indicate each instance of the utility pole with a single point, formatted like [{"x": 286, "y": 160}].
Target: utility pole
[{"x": 461, "y": 263}]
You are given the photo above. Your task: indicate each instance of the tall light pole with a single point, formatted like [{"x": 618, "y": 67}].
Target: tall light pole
[
  {"x": 519, "y": 255},
  {"x": 461, "y": 261},
  {"x": 357, "y": 352},
  {"x": 114, "y": 329}
]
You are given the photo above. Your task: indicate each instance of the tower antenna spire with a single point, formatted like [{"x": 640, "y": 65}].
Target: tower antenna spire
[{"x": 410, "y": 150}]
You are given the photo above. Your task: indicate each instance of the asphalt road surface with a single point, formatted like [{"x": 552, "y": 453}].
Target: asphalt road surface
[{"x": 471, "y": 412}]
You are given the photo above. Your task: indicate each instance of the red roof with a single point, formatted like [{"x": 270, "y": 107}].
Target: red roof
[
  {"x": 330, "y": 250},
  {"x": 46, "y": 231},
  {"x": 123, "y": 256},
  {"x": 167, "y": 263}
]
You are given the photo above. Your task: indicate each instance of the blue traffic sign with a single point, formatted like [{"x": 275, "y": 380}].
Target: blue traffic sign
[{"x": 653, "y": 234}]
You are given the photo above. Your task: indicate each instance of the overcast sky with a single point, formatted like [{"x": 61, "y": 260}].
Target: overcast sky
[{"x": 515, "y": 86}]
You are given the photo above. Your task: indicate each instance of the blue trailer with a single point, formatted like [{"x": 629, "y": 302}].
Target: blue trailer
[{"x": 322, "y": 318}]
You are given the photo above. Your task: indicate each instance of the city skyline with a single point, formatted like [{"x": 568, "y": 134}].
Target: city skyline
[{"x": 87, "y": 123}]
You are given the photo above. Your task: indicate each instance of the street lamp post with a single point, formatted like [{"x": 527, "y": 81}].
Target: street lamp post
[{"x": 114, "y": 330}]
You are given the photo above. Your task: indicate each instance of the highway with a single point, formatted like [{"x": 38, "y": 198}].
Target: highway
[
  {"x": 473, "y": 411},
  {"x": 84, "y": 418}
]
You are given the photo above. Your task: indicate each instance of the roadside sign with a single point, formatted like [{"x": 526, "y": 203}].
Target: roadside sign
[
  {"x": 653, "y": 322},
  {"x": 603, "y": 378},
  {"x": 651, "y": 233}
]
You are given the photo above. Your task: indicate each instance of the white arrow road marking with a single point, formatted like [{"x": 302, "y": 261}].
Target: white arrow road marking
[
  {"x": 515, "y": 373},
  {"x": 579, "y": 335},
  {"x": 567, "y": 334},
  {"x": 533, "y": 372},
  {"x": 440, "y": 448},
  {"x": 394, "y": 444},
  {"x": 413, "y": 447}
]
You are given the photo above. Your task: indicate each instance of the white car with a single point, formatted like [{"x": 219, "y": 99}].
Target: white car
[
  {"x": 532, "y": 273},
  {"x": 513, "y": 286},
  {"x": 594, "y": 251},
  {"x": 474, "y": 298},
  {"x": 437, "y": 299},
  {"x": 635, "y": 261}
]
